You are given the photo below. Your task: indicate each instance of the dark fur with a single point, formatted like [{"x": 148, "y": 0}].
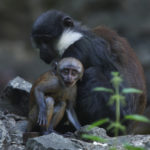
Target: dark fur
[{"x": 101, "y": 51}]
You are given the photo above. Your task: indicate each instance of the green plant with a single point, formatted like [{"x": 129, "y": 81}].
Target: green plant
[
  {"x": 94, "y": 138},
  {"x": 118, "y": 98},
  {"x": 131, "y": 147}
]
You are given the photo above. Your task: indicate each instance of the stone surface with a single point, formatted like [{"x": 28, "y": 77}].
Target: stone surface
[
  {"x": 95, "y": 132},
  {"x": 15, "y": 97},
  {"x": 57, "y": 142},
  {"x": 20, "y": 84},
  {"x": 12, "y": 128}
]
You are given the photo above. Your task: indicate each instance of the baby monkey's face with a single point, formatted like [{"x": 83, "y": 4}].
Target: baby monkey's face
[
  {"x": 70, "y": 76},
  {"x": 70, "y": 71}
]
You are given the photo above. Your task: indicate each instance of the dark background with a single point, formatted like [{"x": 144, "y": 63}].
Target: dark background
[{"x": 130, "y": 18}]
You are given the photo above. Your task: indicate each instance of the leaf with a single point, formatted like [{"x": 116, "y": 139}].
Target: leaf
[
  {"x": 139, "y": 118},
  {"x": 98, "y": 123},
  {"x": 117, "y": 97},
  {"x": 131, "y": 90},
  {"x": 116, "y": 125},
  {"x": 111, "y": 126},
  {"x": 112, "y": 99},
  {"x": 93, "y": 138},
  {"x": 115, "y": 73},
  {"x": 131, "y": 147},
  {"x": 116, "y": 79},
  {"x": 102, "y": 89}
]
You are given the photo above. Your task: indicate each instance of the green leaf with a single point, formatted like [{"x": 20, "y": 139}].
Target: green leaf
[
  {"x": 112, "y": 99},
  {"x": 93, "y": 138},
  {"x": 115, "y": 73},
  {"x": 102, "y": 89},
  {"x": 120, "y": 127},
  {"x": 116, "y": 79},
  {"x": 131, "y": 90},
  {"x": 116, "y": 125},
  {"x": 139, "y": 118},
  {"x": 98, "y": 123},
  {"x": 131, "y": 147},
  {"x": 116, "y": 97},
  {"x": 112, "y": 125}
]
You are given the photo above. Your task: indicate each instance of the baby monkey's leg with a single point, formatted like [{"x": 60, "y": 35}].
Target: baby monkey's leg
[
  {"x": 50, "y": 109},
  {"x": 58, "y": 114}
]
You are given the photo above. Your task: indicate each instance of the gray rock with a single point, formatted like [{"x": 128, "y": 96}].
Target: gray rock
[
  {"x": 15, "y": 97},
  {"x": 21, "y": 125},
  {"x": 57, "y": 142},
  {"x": 20, "y": 84},
  {"x": 15, "y": 147},
  {"x": 11, "y": 131},
  {"x": 95, "y": 132},
  {"x": 3, "y": 133},
  {"x": 13, "y": 127}
]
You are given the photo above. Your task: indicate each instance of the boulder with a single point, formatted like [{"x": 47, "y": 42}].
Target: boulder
[
  {"x": 58, "y": 142},
  {"x": 12, "y": 128},
  {"x": 15, "y": 97}
]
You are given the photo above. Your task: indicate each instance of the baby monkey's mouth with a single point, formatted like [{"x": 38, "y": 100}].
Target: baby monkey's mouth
[{"x": 69, "y": 83}]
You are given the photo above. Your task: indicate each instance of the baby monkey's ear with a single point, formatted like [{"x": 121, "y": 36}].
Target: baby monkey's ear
[{"x": 54, "y": 65}]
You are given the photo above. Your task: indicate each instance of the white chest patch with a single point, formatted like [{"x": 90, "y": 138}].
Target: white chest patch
[{"x": 67, "y": 38}]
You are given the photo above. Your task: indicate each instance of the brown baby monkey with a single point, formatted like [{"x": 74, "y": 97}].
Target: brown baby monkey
[{"x": 53, "y": 93}]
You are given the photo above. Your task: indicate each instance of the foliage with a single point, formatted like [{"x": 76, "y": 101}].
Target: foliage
[
  {"x": 131, "y": 147},
  {"x": 98, "y": 123},
  {"x": 139, "y": 118},
  {"x": 117, "y": 98},
  {"x": 94, "y": 138}
]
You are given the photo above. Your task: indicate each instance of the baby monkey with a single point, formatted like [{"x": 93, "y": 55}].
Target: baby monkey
[{"x": 53, "y": 93}]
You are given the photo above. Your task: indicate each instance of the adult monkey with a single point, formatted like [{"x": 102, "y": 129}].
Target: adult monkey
[{"x": 101, "y": 51}]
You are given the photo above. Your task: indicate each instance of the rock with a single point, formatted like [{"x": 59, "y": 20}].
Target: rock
[
  {"x": 3, "y": 133},
  {"x": 21, "y": 125},
  {"x": 57, "y": 142},
  {"x": 13, "y": 127},
  {"x": 11, "y": 131},
  {"x": 95, "y": 132},
  {"x": 15, "y": 147},
  {"x": 15, "y": 97},
  {"x": 20, "y": 84},
  {"x": 28, "y": 135}
]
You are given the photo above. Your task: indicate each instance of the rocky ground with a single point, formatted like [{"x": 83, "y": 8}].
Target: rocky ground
[{"x": 13, "y": 123}]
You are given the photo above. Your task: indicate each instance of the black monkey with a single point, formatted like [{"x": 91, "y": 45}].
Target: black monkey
[{"x": 101, "y": 51}]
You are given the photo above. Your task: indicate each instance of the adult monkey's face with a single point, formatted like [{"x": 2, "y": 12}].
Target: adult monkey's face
[{"x": 47, "y": 30}]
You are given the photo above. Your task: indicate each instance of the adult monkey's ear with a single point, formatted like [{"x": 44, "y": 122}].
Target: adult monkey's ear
[{"x": 68, "y": 22}]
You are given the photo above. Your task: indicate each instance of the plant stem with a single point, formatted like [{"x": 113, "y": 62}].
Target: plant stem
[{"x": 117, "y": 109}]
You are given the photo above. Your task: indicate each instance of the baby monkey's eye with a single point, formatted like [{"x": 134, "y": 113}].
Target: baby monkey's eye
[
  {"x": 65, "y": 71},
  {"x": 74, "y": 72}
]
